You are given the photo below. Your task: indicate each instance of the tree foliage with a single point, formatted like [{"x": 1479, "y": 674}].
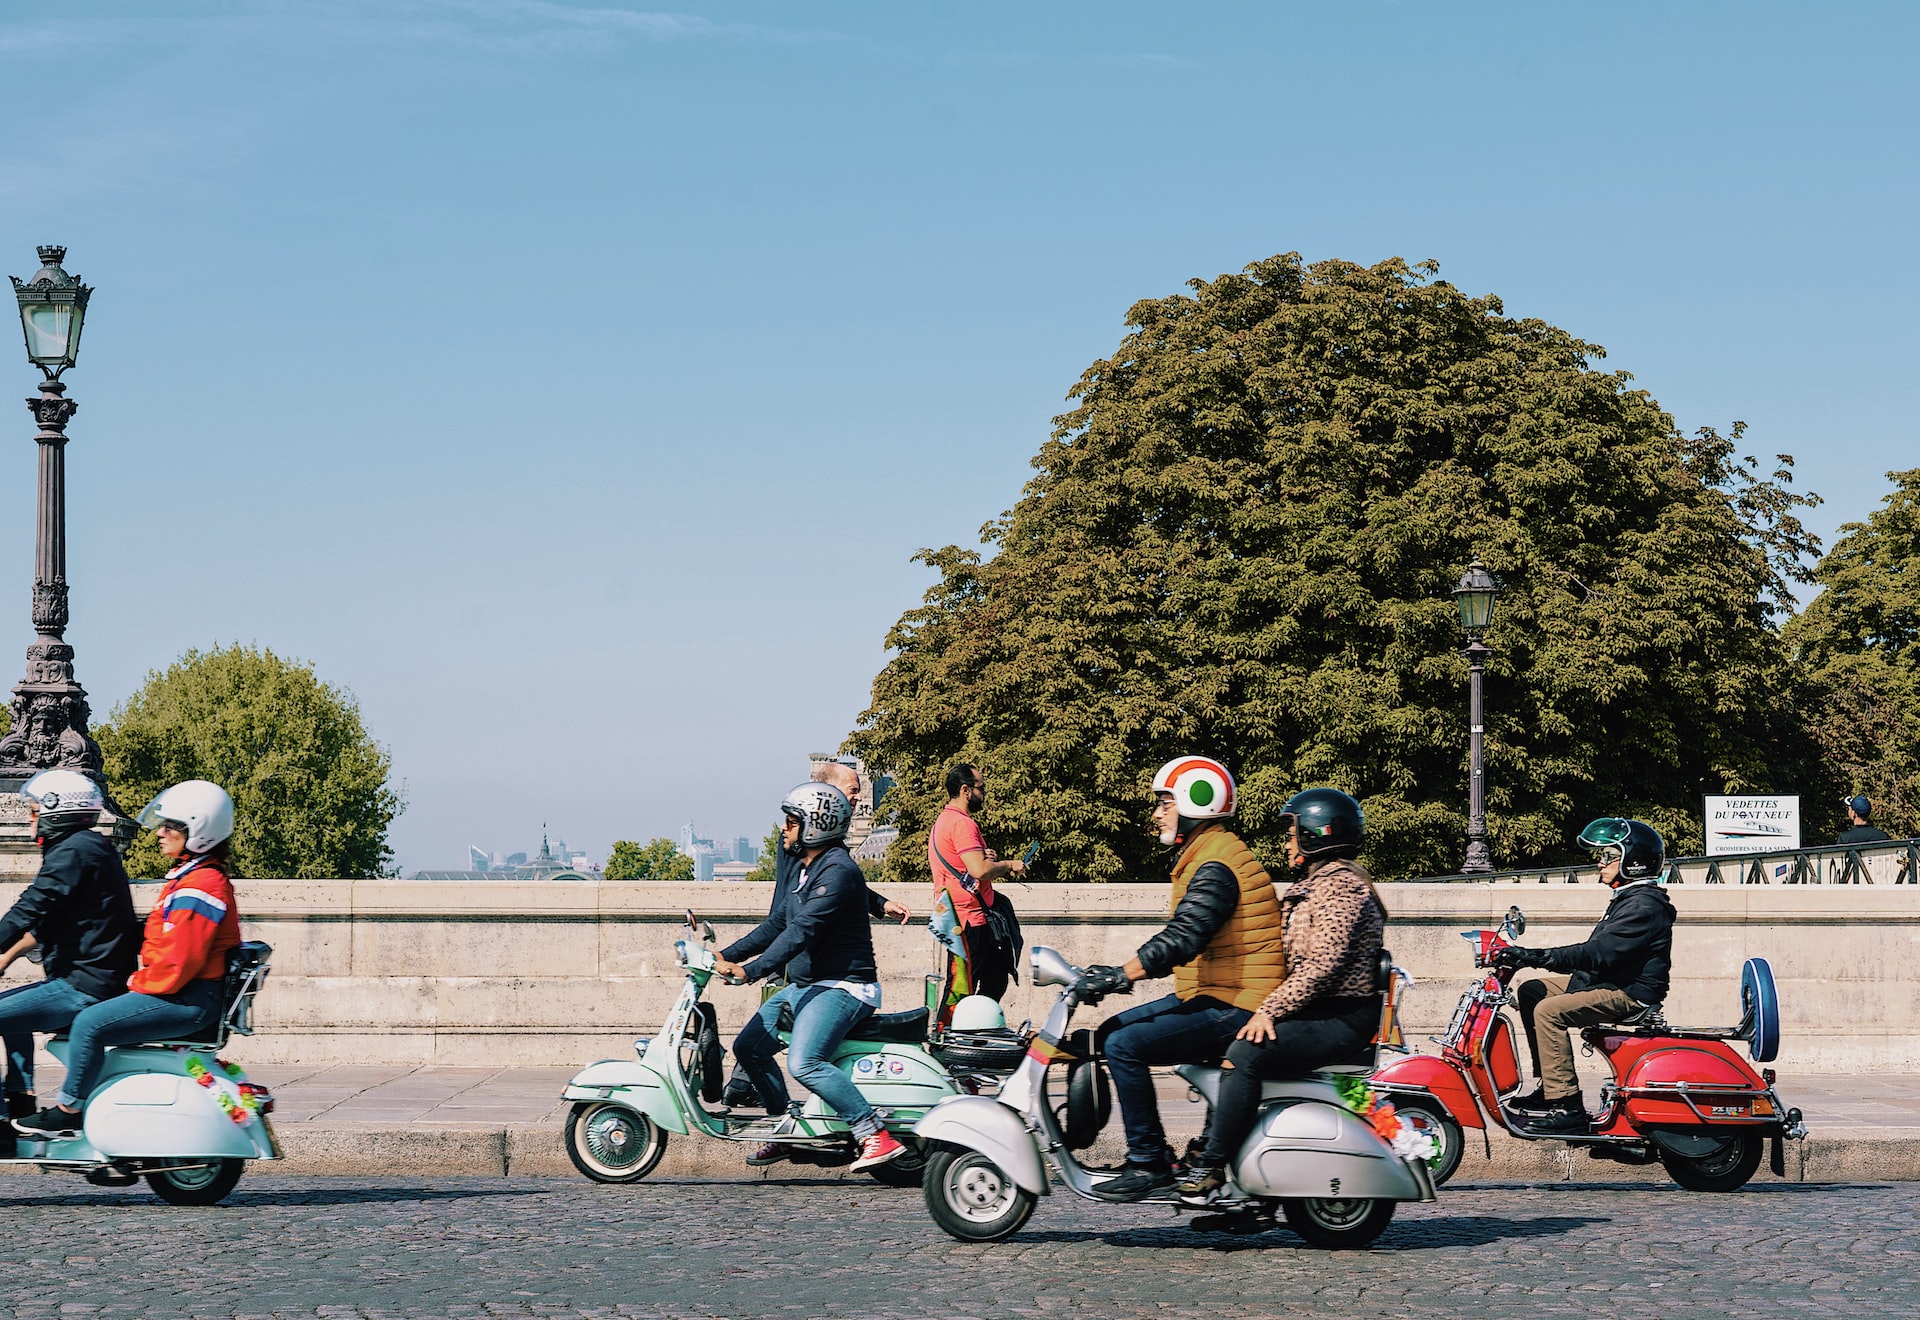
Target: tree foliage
[
  {"x": 1859, "y": 641},
  {"x": 659, "y": 860},
  {"x": 1241, "y": 541},
  {"x": 309, "y": 785},
  {"x": 769, "y": 857}
]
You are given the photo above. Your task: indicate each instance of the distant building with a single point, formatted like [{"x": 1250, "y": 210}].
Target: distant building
[
  {"x": 874, "y": 847},
  {"x": 554, "y": 861},
  {"x": 744, "y": 851},
  {"x": 732, "y": 870}
]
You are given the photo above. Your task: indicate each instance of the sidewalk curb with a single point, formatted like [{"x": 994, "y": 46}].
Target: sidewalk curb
[{"x": 537, "y": 1150}]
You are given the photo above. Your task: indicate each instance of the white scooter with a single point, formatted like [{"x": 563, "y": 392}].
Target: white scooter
[
  {"x": 1309, "y": 1156},
  {"x": 172, "y": 1112},
  {"x": 624, "y": 1109}
]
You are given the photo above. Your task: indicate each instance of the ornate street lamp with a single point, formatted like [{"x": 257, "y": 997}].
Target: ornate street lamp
[
  {"x": 1474, "y": 595},
  {"x": 49, "y": 708}
]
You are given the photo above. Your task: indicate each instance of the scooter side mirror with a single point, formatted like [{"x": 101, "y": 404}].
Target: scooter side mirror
[
  {"x": 1516, "y": 923},
  {"x": 1050, "y": 968},
  {"x": 706, "y": 931}
]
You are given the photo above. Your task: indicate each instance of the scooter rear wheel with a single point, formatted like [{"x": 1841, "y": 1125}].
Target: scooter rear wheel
[
  {"x": 202, "y": 1184},
  {"x": 906, "y": 1171},
  {"x": 1726, "y": 1169},
  {"x": 972, "y": 1198},
  {"x": 611, "y": 1143},
  {"x": 1337, "y": 1223},
  {"x": 1431, "y": 1116}
]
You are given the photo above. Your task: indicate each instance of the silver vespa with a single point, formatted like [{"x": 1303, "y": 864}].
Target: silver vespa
[{"x": 1310, "y": 1157}]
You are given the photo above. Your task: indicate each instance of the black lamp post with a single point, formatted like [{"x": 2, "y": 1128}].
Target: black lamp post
[
  {"x": 1474, "y": 595},
  {"x": 49, "y": 708}
]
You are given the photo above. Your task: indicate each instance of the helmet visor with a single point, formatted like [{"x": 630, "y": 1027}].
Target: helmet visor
[{"x": 152, "y": 818}]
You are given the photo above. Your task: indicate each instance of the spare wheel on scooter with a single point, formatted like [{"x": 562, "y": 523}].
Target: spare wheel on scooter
[{"x": 1760, "y": 1006}]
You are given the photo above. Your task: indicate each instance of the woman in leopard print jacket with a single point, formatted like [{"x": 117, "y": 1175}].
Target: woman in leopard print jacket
[{"x": 1326, "y": 1007}]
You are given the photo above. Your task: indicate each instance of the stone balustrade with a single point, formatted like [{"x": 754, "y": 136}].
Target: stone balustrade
[{"x": 556, "y": 973}]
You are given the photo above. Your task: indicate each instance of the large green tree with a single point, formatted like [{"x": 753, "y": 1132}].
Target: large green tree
[
  {"x": 658, "y": 860},
  {"x": 1859, "y": 641},
  {"x": 1241, "y": 540},
  {"x": 309, "y": 784}
]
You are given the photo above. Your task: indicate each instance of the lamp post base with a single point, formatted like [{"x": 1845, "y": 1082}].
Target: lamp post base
[{"x": 1478, "y": 858}]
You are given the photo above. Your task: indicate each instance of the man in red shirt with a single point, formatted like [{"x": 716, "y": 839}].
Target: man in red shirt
[{"x": 964, "y": 869}]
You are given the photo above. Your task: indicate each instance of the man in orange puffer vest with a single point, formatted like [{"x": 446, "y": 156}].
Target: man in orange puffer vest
[{"x": 1222, "y": 944}]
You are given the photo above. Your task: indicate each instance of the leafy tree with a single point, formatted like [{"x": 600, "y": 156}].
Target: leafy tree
[
  {"x": 309, "y": 785},
  {"x": 659, "y": 860},
  {"x": 1241, "y": 542},
  {"x": 1860, "y": 642},
  {"x": 769, "y": 857}
]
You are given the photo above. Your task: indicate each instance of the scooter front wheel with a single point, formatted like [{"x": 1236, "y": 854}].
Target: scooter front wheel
[
  {"x": 1431, "y": 1116},
  {"x": 611, "y": 1143},
  {"x": 1337, "y": 1223},
  {"x": 198, "y": 1184},
  {"x": 972, "y": 1198}
]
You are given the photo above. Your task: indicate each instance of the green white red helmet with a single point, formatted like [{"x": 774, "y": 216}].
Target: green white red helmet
[{"x": 1200, "y": 786}]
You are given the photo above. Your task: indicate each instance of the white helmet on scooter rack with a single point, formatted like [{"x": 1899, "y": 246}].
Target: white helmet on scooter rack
[
  {"x": 977, "y": 1013},
  {"x": 201, "y": 809}
]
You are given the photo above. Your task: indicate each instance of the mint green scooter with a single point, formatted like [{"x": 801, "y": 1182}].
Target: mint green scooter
[{"x": 624, "y": 1109}]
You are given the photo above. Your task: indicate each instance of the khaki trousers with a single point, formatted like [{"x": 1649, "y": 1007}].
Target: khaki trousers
[{"x": 1549, "y": 1012}]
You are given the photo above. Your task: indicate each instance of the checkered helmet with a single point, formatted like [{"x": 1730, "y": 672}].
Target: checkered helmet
[{"x": 64, "y": 797}]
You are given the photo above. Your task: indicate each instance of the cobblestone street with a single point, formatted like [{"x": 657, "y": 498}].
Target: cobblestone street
[{"x": 342, "y": 1248}]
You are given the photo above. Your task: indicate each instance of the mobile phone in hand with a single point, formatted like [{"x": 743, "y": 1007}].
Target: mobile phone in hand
[{"x": 1033, "y": 851}]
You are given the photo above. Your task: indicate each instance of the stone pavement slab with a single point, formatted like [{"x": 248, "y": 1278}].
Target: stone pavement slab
[{"x": 396, "y": 1248}]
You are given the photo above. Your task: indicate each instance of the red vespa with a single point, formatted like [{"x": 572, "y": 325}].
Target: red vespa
[{"x": 1678, "y": 1095}]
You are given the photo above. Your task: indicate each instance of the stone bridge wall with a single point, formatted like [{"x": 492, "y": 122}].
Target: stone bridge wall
[{"x": 384, "y": 971}]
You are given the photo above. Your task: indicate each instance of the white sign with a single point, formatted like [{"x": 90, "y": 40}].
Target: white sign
[{"x": 1752, "y": 824}]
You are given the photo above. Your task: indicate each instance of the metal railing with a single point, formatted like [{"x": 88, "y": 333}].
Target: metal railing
[{"x": 1892, "y": 863}]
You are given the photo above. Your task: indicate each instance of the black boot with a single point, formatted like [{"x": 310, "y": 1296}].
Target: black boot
[
  {"x": 1533, "y": 1102},
  {"x": 1567, "y": 1114},
  {"x": 20, "y": 1104}
]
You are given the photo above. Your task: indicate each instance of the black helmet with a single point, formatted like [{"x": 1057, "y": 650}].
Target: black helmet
[
  {"x": 1331, "y": 823},
  {"x": 1642, "y": 853}
]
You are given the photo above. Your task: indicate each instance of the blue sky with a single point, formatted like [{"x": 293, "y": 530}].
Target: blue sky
[{"x": 573, "y": 382}]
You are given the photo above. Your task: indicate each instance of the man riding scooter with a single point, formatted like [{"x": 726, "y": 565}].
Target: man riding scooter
[
  {"x": 1221, "y": 942},
  {"x": 826, "y": 947},
  {"x": 1620, "y": 969}
]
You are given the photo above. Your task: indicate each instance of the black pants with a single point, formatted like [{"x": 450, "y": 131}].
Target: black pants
[
  {"x": 987, "y": 970},
  {"x": 1326, "y": 1032}
]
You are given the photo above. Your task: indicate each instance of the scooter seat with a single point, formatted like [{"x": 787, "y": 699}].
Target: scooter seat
[
  {"x": 1357, "y": 1065},
  {"x": 909, "y": 1028}
]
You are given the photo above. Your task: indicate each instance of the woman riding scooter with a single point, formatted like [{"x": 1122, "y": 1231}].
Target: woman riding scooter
[
  {"x": 1327, "y": 1008},
  {"x": 177, "y": 993}
]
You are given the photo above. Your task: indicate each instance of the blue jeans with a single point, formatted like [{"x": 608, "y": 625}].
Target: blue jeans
[
  {"x": 45, "y": 1006},
  {"x": 1166, "y": 1031},
  {"x": 134, "y": 1019},
  {"x": 822, "y": 1017}
]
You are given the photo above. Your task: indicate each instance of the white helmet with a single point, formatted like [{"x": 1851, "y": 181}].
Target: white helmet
[
  {"x": 64, "y": 797},
  {"x": 203, "y": 809},
  {"x": 1201, "y": 787},
  {"x": 823, "y": 812},
  {"x": 977, "y": 1013}
]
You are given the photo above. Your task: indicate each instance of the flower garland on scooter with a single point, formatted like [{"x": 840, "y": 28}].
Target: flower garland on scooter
[
  {"x": 233, "y": 1098},
  {"x": 1408, "y": 1142}
]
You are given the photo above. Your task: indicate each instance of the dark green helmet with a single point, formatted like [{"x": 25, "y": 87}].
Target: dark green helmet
[
  {"x": 1643, "y": 855},
  {"x": 1331, "y": 823}
]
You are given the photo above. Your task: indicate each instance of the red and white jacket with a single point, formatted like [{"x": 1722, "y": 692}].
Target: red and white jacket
[{"x": 192, "y": 925}]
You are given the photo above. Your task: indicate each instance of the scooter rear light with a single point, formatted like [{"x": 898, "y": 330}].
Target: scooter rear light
[
  {"x": 1762, "y": 1107},
  {"x": 1769, "y": 1074},
  {"x": 262, "y": 1098}
]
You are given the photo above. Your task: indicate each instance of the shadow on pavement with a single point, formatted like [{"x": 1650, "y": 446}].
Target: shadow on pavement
[
  {"x": 1668, "y": 1189},
  {"x": 1413, "y": 1235},
  {"x": 139, "y": 1198}
]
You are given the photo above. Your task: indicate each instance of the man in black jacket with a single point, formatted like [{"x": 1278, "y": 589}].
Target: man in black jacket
[
  {"x": 826, "y": 947},
  {"x": 78, "y": 910},
  {"x": 740, "y": 1089},
  {"x": 1621, "y": 968}
]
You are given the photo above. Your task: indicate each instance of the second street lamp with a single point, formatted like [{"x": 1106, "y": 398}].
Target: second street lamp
[{"x": 1474, "y": 595}]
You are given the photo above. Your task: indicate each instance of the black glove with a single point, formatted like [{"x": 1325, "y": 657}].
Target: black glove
[
  {"x": 1096, "y": 983},
  {"x": 1513, "y": 956}
]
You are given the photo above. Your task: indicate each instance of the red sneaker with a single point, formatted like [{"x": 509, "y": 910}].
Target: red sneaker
[
  {"x": 772, "y": 1152},
  {"x": 878, "y": 1149}
]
